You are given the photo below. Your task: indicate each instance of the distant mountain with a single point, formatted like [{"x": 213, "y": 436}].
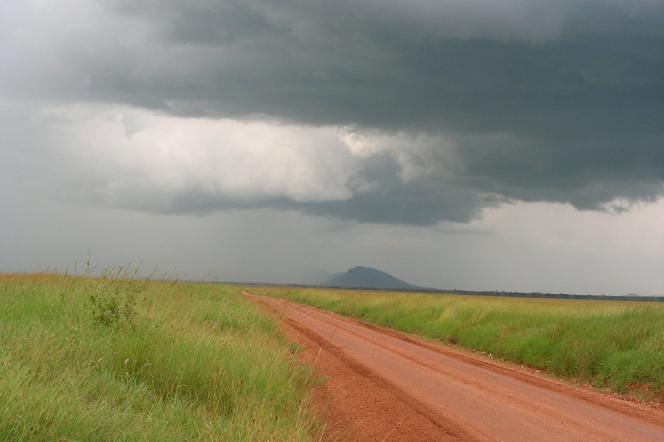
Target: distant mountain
[{"x": 368, "y": 278}]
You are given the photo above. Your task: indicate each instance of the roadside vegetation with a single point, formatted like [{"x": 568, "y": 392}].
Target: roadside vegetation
[
  {"x": 120, "y": 359},
  {"x": 609, "y": 344}
]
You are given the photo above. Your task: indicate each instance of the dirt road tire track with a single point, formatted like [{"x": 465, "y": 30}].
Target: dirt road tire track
[{"x": 383, "y": 385}]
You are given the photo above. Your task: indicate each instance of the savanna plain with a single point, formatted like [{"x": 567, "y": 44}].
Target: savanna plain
[
  {"x": 114, "y": 358},
  {"x": 118, "y": 358}
]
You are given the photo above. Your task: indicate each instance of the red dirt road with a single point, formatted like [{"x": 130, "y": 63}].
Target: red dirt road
[{"x": 387, "y": 386}]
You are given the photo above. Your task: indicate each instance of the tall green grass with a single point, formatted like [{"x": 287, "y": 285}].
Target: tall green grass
[
  {"x": 614, "y": 345},
  {"x": 112, "y": 359}
]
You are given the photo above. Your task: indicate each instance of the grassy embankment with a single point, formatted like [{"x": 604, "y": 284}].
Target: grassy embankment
[
  {"x": 614, "y": 345},
  {"x": 105, "y": 359}
]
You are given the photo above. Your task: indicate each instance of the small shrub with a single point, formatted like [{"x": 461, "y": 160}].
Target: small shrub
[{"x": 115, "y": 306}]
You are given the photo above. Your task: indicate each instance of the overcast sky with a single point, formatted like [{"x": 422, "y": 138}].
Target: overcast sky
[{"x": 471, "y": 144}]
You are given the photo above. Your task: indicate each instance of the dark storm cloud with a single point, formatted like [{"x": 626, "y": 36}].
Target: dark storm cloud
[
  {"x": 392, "y": 66},
  {"x": 545, "y": 101}
]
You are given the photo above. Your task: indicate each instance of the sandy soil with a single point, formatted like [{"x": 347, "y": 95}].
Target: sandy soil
[{"x": 382, "y": 385}]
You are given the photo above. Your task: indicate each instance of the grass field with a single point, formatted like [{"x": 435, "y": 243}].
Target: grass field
[
  {"x": 614, "y": 345},
  {"x": 109, "y": 359}
]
